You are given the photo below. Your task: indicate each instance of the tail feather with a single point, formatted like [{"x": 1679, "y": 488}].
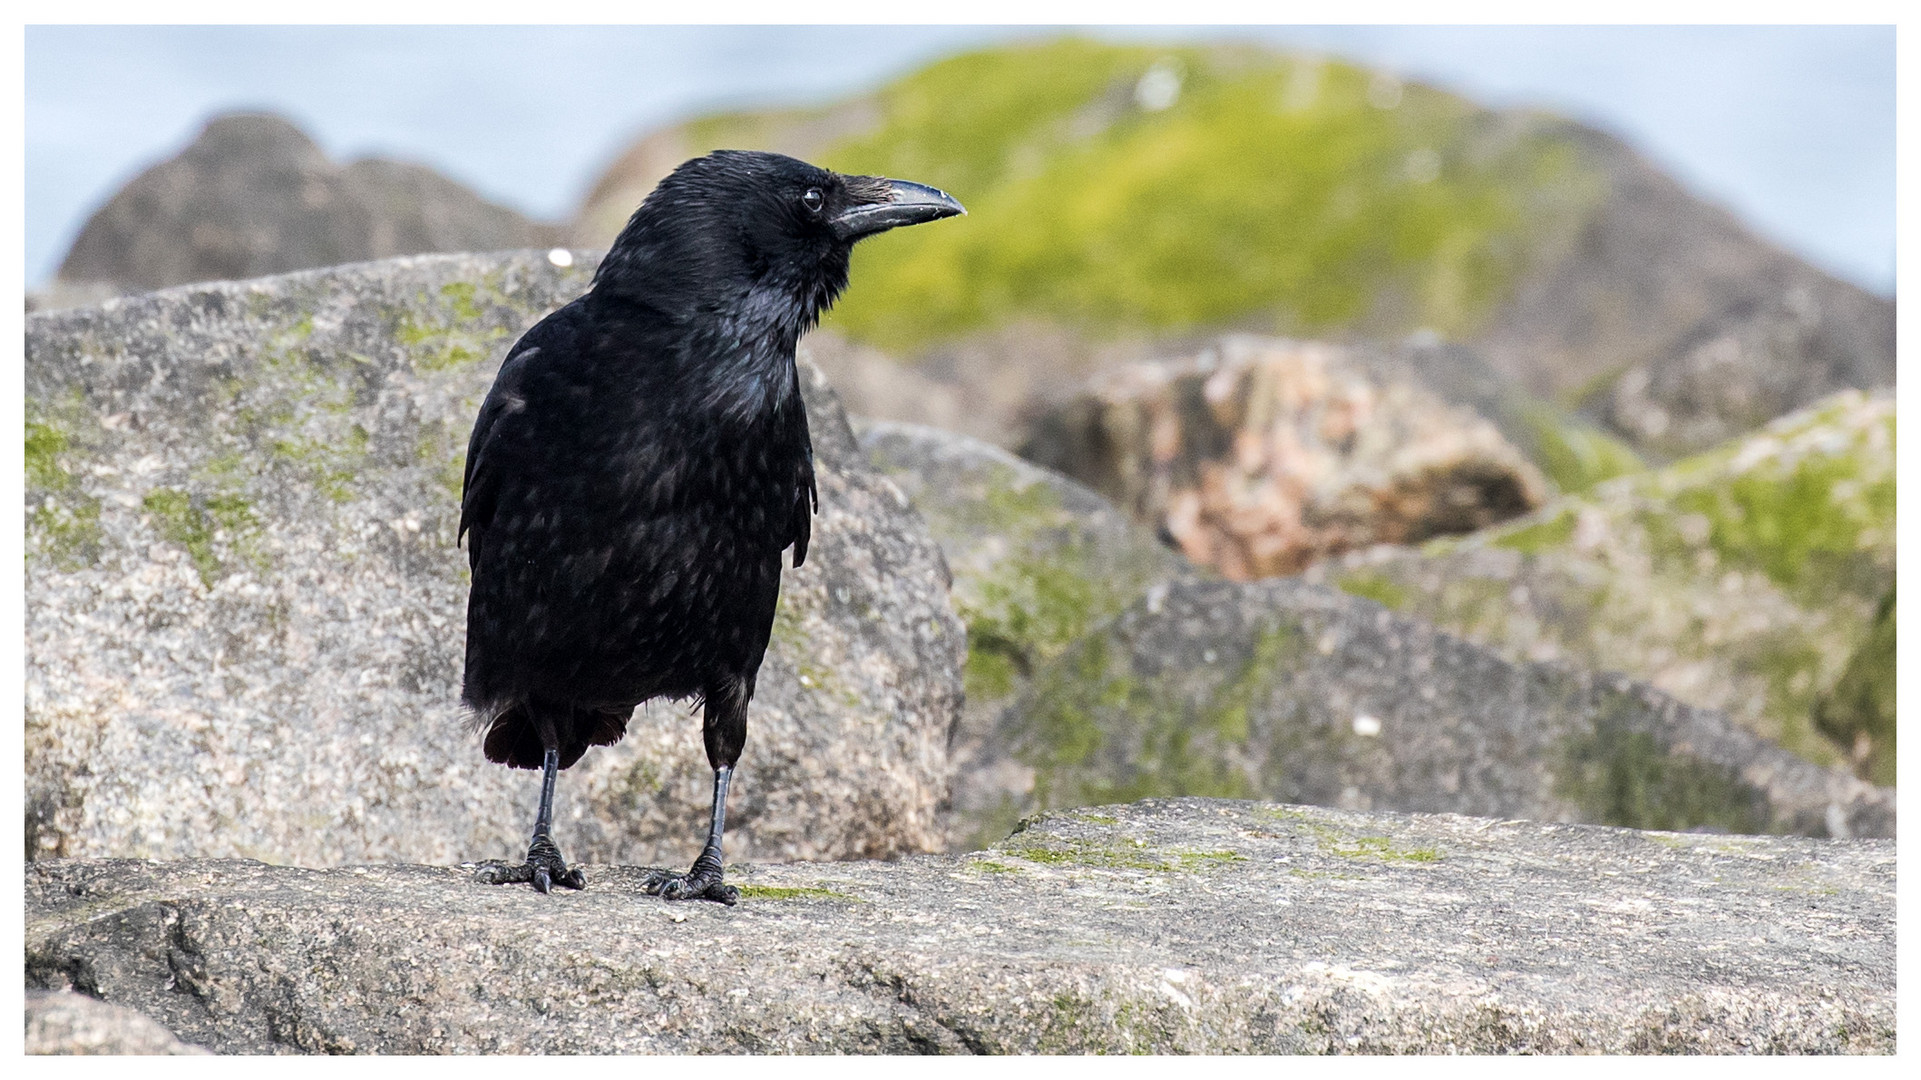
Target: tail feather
[{"x": 513, "y": 737}]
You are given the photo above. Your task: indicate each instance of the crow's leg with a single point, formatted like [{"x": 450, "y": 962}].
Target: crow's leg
[
  {"x": 544, "y": 866},
  {"x": 725, "y": 731}
]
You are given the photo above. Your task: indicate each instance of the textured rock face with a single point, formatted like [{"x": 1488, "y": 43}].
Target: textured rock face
[
  {"x": 1285, "y": 690},
  {"x": 1741, "y": 580},
  {"x": 1260, "y": 456},
  {"x": 63, "y": 1022},
  {"x": 253, "y": 195},
  {"x": 245, "y": 608},
  {"x": 1181, "y": 926},
  {"x": 1038, "y": 561}
]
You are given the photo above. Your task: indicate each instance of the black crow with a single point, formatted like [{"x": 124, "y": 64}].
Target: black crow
[{"x": 639, "y": 466}]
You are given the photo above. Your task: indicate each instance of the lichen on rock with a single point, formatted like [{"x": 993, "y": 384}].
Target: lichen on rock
[{"x": 1741, "y": 579}]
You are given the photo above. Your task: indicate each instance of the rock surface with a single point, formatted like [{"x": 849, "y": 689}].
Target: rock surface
[
  {"x": 1260, "y": 456},
  {"x": 1663, "y": 316},
  {"x": 1038, "y": 561},
  {"x": 1169, "y": 926},
  {"x": 245, "y": 607},
  {"x": 253, "y": 195},
  {"x": 63, "y": 1022},
  {"x": 1284, "y": 690},
  {"x": 1740, "y": 580}
]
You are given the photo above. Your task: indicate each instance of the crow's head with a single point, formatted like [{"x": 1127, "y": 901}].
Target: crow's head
[{"x": 741, "y": 232}]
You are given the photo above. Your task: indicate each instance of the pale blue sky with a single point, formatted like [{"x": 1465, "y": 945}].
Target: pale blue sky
[{"x": 1791, "y": 127}]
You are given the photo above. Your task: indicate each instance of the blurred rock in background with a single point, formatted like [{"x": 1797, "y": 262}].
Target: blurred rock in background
[
  {"x": 1258, "y": 457},
  {"x": 1301, "y": 195},
  {"x": 1741, "y": 579},
  {"x": 253, "y": 195},
  {"x": 1038, "y": 562}
]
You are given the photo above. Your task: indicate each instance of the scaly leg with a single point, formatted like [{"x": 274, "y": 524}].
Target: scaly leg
[
  {"x": 544, "y": 866},
  {"x": 702, "y": 882},
  {"x": 724, "y": 731}
]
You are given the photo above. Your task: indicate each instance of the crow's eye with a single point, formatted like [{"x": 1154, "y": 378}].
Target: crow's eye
[{"x": 813, "y": 200}]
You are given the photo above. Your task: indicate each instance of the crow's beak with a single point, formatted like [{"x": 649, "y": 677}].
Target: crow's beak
[{"x": 895, "y": 203}]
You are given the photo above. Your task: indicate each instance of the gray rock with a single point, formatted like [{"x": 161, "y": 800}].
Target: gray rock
[
  {"x": 63, "y": 1022},
  {"x": 253, "y": 195},
  {"x": 1741, "y": 579},
  {"x": 1285, "y": 690},
  {"x": 1168, "y": 926},
  {"x": 1038, "y": 561},
  {"x": 1667, "y": 319},
  {"x": 245, "y": 607}
]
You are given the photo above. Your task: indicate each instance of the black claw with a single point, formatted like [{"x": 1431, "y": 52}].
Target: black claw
[
  {"x": 543, "y": 869},
  {"x": 701, "y": 883}
]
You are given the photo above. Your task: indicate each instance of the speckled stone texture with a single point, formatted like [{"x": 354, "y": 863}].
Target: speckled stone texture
[
  {"x": 63, "y": 1022},
  {"x": 1038, "y": 561},
  {"x": 246, "y": 610},
  {"x": 1286, "y": 690},
  {"x": 1166, "y": 926}
]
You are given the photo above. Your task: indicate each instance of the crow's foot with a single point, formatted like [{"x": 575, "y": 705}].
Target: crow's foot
[
  {"x": 701, "y": 883},
  {"x": 544, "y": 868}
]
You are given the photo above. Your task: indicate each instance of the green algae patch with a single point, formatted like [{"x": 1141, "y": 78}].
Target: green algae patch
[
  {"x": 1026, "y": 607},
  {"x": 1304, "y": 193},
  {"x": 63, "y": 519},
  {"x": 213, "y": 529},
  {"x": 1117, "y": 854},
  {"x": 1537, "y": 536},
  {"x": 1576, "y": 457},
  {"x": 1333, "y": 841},
  {"x": 1295, "y": 187},
  {"x": 781, "y": 892},
  {"x": 1026, "y": 612},
  {"x": 1628, "y": 778},
  {"x": 1375, "y": 586},
  {"x": 1097, "y": 732},
  {"x": 1801, "y": 526}
]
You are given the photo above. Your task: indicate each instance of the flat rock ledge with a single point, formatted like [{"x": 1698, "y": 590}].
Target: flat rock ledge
[{"x": 1183, "y": 925}]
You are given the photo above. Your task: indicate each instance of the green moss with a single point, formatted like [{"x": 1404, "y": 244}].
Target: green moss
[
  {"x": 1335, "y": 842},
  {"x": 1858, "y": 713},
  {"x": 1624, "y": 777},
  {"x": 1375, "y": 586},
  {"x": 203, "y": 525},
  {"x": 63, "y": 523},
  {"x": 1118, "y": 854},
  {"x": 1026, "y": 613},
  {"x": 460, "y": 297},
  {"x": 1230, "y": 714},
  {"x": 330, "y": 465},
  {"x": 1535, "y": 537},
  {"x": 1097, "y": 734},
  {"x": 46, "y": 442},
  {"x": 1270, "y": 186},
  {"x": 1801, "y": 526},
  {"x": 1382, "y": 848},
  {"x": 1577, "y": 456},
  {"x": 776, "y": 892},
  {"x": 67, "y": 531}
]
